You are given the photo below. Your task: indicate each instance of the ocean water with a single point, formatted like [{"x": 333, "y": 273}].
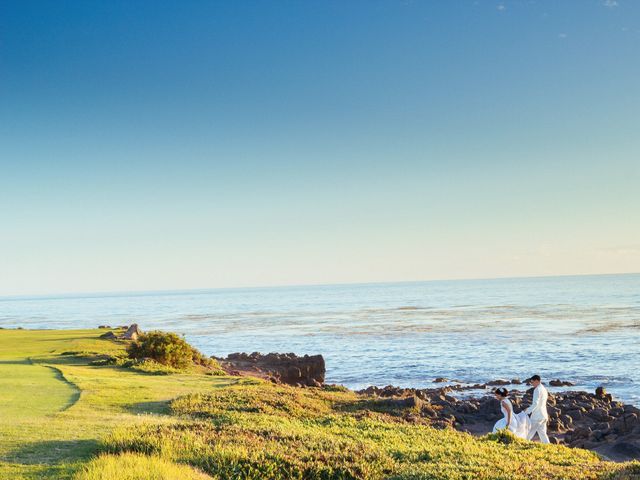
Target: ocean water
[{"x": 582, "y": 328}]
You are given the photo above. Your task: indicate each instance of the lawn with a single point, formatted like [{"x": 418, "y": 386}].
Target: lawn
[
  {"x": 62, "y": 418},
  {"x": 55, "y": 409}
]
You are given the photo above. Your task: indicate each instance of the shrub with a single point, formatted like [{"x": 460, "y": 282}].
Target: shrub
[
  {"x": 170, "y": 350},
  {"x": 147, "y": 365}
]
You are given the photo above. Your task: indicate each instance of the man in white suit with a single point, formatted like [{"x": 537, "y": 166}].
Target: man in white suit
[{"x": 538, "y": 410}]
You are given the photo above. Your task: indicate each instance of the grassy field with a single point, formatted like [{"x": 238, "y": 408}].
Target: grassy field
[
  {"x": 61, "y": 417},
  {"x": 55, "y": 409}
]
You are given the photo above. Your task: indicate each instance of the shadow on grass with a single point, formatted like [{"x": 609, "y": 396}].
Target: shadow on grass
[
  {"x": 15, "y": 362},
  {"x": 389, "y": 406},
  {"x": 76, "y": 391},
  {"x": 51, "y": 452},
  {"x": 158, "y": 407}
]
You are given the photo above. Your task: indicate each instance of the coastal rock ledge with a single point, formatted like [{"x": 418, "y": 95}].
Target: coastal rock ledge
[{"x": 288, "y": 368}]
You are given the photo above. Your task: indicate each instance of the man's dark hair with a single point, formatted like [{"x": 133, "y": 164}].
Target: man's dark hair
[{"x": 535, "y": 378}]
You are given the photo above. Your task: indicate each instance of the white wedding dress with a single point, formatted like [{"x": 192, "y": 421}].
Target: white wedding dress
[{"x": 519, "y": 424}]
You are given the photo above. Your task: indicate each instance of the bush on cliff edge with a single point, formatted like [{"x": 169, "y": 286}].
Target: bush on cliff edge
[{"x": 170, "y": 350}]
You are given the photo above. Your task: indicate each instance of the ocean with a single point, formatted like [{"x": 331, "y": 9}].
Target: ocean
[{"x": 585, "y": 329}]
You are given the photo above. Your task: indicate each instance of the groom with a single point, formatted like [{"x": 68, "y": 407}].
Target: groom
[{"x": 538, "y": 410}]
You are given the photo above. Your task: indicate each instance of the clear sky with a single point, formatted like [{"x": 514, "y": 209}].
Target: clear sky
[{"x": 199, "y": 144}]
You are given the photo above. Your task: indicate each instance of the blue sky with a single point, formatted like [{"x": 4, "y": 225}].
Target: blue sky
[{"x": 194, "y": 144}]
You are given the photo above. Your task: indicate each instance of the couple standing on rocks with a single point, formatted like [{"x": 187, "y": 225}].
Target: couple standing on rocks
[{"x": 530, "y": 421}]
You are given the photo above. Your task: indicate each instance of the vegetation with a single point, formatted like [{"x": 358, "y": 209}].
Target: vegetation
[
  {"x": 265, "y": 431},
  {"x": 55, "y": 409},
  {"x": 130, "y": 466},
  {"x": 63, "y": 418},
  {"x": 170, "y": 350}
]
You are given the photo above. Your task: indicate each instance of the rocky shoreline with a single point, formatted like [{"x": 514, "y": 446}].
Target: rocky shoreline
[{"x": 578, "y": 419}]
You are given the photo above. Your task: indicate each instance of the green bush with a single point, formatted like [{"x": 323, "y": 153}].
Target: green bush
[
  {"x": 147, "y": 365},
  {"x": 170, "y": 350}
]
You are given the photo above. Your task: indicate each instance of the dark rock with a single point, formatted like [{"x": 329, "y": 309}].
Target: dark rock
[
  {"x": 441, "y": 380},
  {"x": 498, "y": 382},
  {"x": 631, "y": 409},
  {"x": 109, "y": 336},
  {"x": 574, "y": 414},
  {"x": 625, "y": 423},
  {"x": 289, "y": 368},
  {"x": 566, "y": 420},
  {"x": 561, "y": 383},
  {"x": 581, "y": 432},
  {"x": 630, "y": 449},
  {"x": 599, "y": 414},
  {"x": 407, "y": 402}
]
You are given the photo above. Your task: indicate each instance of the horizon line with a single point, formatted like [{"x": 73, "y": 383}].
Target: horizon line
[{"x": 205, "y": 290}]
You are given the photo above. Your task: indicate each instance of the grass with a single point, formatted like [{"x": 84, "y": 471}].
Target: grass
[
  {"x": 55, "y": 408},
  {"x": 130, "y": 466},
  {"x": 64, "y": 417}
]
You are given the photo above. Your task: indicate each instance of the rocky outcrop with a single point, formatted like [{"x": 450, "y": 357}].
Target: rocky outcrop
[
  {"x": 288, "y": 368},
  {"x": 577, "y": 419},
  {"x": 561, "y": 383},
  {"x": 132, "y": 333},
  {"x": 126, "y": 333}
]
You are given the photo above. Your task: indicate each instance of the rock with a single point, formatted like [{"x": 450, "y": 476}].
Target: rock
[
  {"x": 132, "y": 333},
  {"x": 109, "y": 336},
  {"x": 596, "y": 422},
  {"x": 289, "y": 368},
  {"x": 104, "y": 326},
  {"x": 574, "y": 414},
  {"x": 597, "y": 435},
  {"x": 498, "y": 382},
  {"x": 625, "y": 423},
  {"x": 631, "y": 409},
  {"x": 599, "y": 414},
  {"x": 428, "y": 411},
  {"x": 408, "y": 402},
  {"x": 581, "y": 432},
  {"x": 561, "y": 383},
  {"x": 441, "y": 380},
  {"x": 566, "y": 420},
  {"x": 602, "y": 393},
  {"x": 629, "y": 449}
]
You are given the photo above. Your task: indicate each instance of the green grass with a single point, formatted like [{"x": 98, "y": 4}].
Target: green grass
[
  {"x": 262, "y": 431},
  {"x": 63, "y": 418},
  {"x": 55, "y": 408}
]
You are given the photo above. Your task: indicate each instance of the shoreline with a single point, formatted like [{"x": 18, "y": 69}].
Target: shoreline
[{"x": 204, "y": 418}]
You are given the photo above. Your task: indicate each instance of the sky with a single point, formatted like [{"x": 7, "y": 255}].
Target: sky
[{"x": 201, "y": 144}]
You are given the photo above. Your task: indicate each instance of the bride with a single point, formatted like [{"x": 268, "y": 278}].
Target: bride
[{"x": 518, "y": 424}]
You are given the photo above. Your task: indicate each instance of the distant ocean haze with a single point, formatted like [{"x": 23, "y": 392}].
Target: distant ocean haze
[{"x": 585, "y": 329}]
